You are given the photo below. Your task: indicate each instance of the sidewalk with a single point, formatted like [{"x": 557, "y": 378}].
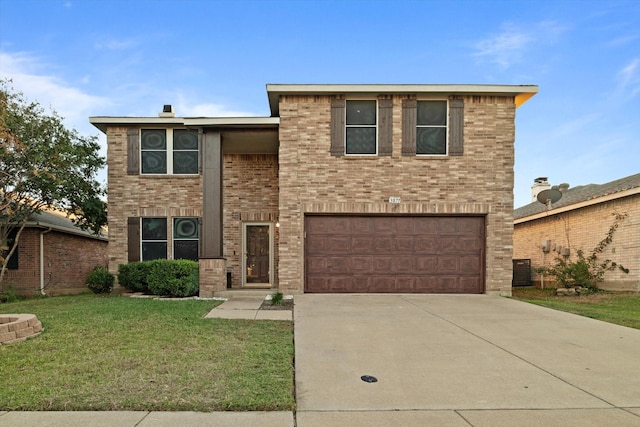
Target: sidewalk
[{"x": 247, "y": 308}]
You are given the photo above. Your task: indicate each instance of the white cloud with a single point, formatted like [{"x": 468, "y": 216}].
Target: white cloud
[
  {"x": 629, "y": 78},
  {"x": 187, "y": 108},
  {"x": 115, "y": 44},
  {"x": 513, "y": 41},
  {"x": 51, "y": 92}
]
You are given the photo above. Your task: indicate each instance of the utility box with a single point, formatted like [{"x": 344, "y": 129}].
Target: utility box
[{"x": 521, "y": 272}]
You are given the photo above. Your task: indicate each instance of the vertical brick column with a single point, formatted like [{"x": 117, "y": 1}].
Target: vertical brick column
[{"x": 213, "y": 276}]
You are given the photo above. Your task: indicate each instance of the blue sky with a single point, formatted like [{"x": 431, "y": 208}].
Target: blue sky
[{"x": 214, "y": 58}]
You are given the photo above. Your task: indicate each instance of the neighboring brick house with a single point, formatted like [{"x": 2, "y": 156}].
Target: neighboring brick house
[
  {"x": 580, "y": 220},
  {"x": 345, "y": 188},
  {"x": 54, "y": 257}
]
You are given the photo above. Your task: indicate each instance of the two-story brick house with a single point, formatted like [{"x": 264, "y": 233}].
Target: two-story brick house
[{"x": 344, "y": 188}]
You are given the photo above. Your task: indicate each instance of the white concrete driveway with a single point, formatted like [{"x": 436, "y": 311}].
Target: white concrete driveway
[{"x": 460, "y": 360}]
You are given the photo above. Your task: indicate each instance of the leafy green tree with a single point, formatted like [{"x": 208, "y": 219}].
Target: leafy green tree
[{"x": 44, "y": 165}]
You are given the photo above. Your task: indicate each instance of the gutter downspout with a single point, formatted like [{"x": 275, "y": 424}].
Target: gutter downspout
[{"x": 42, "y": 261}]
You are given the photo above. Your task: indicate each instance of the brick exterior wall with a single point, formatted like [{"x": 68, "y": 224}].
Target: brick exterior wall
[
  {"x": 142, "y": 196},
  {"x": 583, "y": 229},
  {"x": 250, "y": 194},
  {"x": 68, "y": 260},
  {"x": 479, "y": 182}
]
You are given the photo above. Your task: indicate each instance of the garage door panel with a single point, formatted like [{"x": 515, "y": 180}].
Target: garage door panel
[
  {"x": 403, "y": 245},
  {"x": 404, "y": 254}
]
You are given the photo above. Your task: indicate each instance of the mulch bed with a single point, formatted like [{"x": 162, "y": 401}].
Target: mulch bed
[{"x": 286, "y": 304}]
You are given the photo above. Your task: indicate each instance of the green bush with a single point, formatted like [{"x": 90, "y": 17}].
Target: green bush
[
  {"x": 100, "y": 281},
  {"x": 134, "y": 276},
  {"x": 173, "y": 278}
]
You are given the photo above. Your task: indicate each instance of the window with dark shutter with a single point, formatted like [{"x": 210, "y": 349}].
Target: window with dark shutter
[
  {"x": 409, "y": 112},
  {"x": 337, "y": 127},
  {"x": 385, "y": 127},
  {"x": 133, "y": 239},
  {"x": 133, "y": 151},
  {"x": 456, "y": 127}
]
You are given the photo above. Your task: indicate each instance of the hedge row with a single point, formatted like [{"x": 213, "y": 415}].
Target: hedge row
[{"x": 171, "y": 278}]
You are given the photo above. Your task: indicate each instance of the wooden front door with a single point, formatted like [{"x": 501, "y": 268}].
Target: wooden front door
[{"x": 257, "y": 259}]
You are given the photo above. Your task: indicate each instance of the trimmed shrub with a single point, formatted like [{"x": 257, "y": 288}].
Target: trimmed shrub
[
  {"x": 100, "y": 281},
  {"x": 173, "y": 278},
  {"x": 133, "y": 276}
]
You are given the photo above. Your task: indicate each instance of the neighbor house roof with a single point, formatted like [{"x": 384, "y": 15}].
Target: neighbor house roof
[
  {"x": 521, "y": 92},
  {"x": 581, "y": 196},
  {"x": 60, "y": 223}
]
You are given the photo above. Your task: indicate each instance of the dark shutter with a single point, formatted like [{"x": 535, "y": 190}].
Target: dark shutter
[
  {"x": 200, "y": 149},
  {"x": 133, "y": 151},
  {"x": 133, "y": 239},
  {"x": 337, "y": 127},
  {"x": 385, "y": 127},
  {"x": 409, "y": 121},
  {"x": 456, "y": 127}
]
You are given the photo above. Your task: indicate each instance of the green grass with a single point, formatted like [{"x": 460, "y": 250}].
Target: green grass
[
  {"x": 119, "y": 353},
  {"x": 619, "y": 308}
]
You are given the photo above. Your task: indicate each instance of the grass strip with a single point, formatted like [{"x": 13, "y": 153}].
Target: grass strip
[
  {"x": 119, "y": 353},
  {"x": 619, "y": 308}
]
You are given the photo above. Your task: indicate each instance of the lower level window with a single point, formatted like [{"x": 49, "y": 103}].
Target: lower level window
[
  {"x": 154, "y": 238},
  {"x": 185, "y": 238}
]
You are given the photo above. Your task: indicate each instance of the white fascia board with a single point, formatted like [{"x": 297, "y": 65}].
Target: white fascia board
[
  {"x": 274, "y": 91},
  {"x": 232, "y": 121},
  {"x": 101, "y": 122}
]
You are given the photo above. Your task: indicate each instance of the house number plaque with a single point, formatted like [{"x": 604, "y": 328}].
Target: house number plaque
[{"x": 394, "y": 200}]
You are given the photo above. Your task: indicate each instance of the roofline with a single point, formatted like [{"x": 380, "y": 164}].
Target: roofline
[
  {"x": 579, "y": 205},
  {"x": 78, "y": 232},
  {"x": 102, "y": 122},
  {"x": 521, "y": 92}
]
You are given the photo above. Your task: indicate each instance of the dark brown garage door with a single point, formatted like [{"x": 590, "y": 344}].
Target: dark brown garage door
[{"x": 401, "y": 254}]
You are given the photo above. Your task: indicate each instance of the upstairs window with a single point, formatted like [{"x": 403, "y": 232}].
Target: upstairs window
[
  {"x": 169, "y": 151},
  {"x": 361, "y": 117},
  {"x": 431, "y": 131}
]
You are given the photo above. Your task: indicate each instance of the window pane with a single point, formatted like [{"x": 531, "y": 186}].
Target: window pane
[
  {"x": 185, "y": 249},
  {"x": 154, "y": 250},
  {"x": 154, "y": 229},
  {"x": 433, "y": 113},
  {"x": 154, "y": 162},
  {"x": 361, "y": 112},
  {"x": 185, "y": 162},
  {"x": 184, "y": 139},
  {"x": 431, "y": 141},
  {"x": 185, "y": 228},
  {"x": 154, "y": 139},
  {"x": 361, "y": 141}
]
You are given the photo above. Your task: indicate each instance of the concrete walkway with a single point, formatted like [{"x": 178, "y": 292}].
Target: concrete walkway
[
  {"x": 247, "y": 308},
  {"x": 460, "y": 360},
  {"x": 441, "y": 360}
]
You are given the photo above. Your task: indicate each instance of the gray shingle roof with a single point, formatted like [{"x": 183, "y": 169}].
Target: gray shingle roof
[
  {"x": 60, "y": 223},
  {"x": 580, "y": 194}
]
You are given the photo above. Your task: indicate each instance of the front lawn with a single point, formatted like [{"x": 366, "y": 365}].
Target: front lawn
[
  {"x": 120, "y": 353},
  {"x": 619, "y": 308}
]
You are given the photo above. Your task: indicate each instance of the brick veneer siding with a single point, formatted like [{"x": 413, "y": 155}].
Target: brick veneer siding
[
  {"x": 250, "y": 194},
  {"x": 479, "y": 182},
  {"x": 142, "y": 196},
  {"x": 68, "y": 260},
  {"x": 583, "y": 229}
]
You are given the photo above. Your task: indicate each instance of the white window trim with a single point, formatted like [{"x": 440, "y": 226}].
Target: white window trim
[
  {"x": 425, "y": 126},
  {"x": 169, "y": 150},
  {"x": 346, "y": 126}
]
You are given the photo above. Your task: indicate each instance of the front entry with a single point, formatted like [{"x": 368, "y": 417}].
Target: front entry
[{"x": 257, "y": 262}]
